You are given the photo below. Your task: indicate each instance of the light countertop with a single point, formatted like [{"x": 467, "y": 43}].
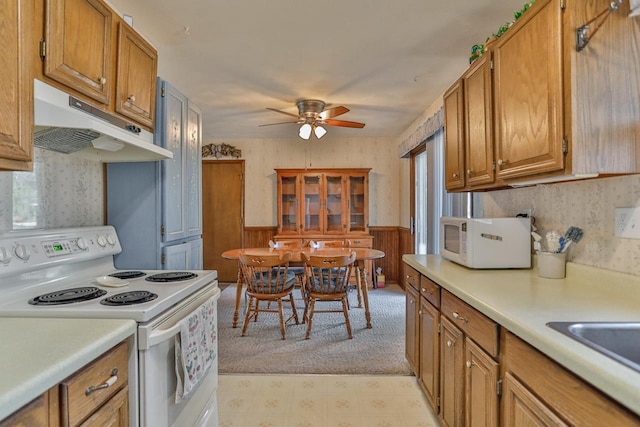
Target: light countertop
[
  {"x": 36, "y": 354},
  {"x": 523, "y": 303}
]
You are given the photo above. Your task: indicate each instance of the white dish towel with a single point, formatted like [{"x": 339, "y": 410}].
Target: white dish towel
[{"x": 196, "y": 348}]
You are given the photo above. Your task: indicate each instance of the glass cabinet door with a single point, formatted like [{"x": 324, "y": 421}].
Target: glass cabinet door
[
  {"x": 334, "y": 209},
  {"x": 357, "y": 204},
  {"x": 312, "y": 203},
  {"x": 289, "y": 204}
]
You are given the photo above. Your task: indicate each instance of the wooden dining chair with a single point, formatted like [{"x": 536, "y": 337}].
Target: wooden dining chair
[
  {"x": 268, "y": 278},
  {"x": 295, "y": 267},
  {"x": 326, "y": 280}
]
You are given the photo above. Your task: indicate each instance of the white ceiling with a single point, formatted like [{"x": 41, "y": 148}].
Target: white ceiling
[{"x": 385, "y": 60}]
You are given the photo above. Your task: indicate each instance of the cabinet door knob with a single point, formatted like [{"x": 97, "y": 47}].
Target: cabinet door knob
[
  {"x": 449, "y": 343},
  {"x": 102, "y": 80},
  {"x": 469, "y": 172},
  {"x": 469, "y": 364},
  {"x": 132, "y": 98},
  {"x": 459, "y": 317},
  {"x": 502, "y": 162},
  {"x": 455, "y": 175}
]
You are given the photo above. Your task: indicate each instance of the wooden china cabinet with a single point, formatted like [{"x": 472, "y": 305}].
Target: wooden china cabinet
[{"x": 325, "y": 204}]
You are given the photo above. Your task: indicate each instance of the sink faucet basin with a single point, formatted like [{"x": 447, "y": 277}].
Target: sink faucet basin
[{"x": 618, "y": 340}]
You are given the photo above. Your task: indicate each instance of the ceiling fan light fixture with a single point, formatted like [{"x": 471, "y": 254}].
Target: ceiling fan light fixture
[
  {"x": 305, "y": 131},
  {"x": 319, "y": 131}
]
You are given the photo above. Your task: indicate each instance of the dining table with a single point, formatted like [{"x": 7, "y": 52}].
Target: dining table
[{"x": 362, "y": 255}]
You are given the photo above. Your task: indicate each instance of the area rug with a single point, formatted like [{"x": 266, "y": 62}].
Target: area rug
[{"x": 380, "y": 350}]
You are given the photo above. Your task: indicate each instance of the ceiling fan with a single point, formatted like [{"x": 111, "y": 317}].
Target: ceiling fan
[{"x": 312, "y": 116}]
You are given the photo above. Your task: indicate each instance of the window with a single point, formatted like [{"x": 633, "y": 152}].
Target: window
[{"x": 430, "y": 200}]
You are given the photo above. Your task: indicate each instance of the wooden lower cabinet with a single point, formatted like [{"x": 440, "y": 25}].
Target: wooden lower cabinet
[
  {"x": 412, "y": 328},
  {"x": 429, "y": 354},
  {"x": 451, "y": 374},
  {"x": 72, "y": 404},
  {"x": 555, "y": 397},
  {"x": 33, "y": 414},
  {"x": 480, "y": 384},
  {"x": 523, "y": 408}
]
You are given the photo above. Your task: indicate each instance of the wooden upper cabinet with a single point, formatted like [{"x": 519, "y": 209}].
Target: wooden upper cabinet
[
  {"x": 454, "y": 137},
  {"x": 16, "y": 85},
  {"x": 78, "y": 35},
  {"x": 136, "y": 76},
  {"x": 323, "y": 202},
  {"x": 478, "y": 120},
  {"x": 548, "y": 111},
  {"x": 529, "y": 93}
]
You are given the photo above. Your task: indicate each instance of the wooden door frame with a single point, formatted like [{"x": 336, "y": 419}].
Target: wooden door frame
[{"x": 412, "y": 193}]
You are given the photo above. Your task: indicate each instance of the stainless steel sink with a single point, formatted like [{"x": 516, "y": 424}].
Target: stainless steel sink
[{"x": 618, "y": 340}]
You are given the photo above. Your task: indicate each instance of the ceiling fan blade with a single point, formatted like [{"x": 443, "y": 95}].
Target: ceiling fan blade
[
  {"x": 283, "y": 112},
  {"x": 280, "y": 123},
  {"x": 343, "y": 123},
  {"x": 332, "y": 112}
]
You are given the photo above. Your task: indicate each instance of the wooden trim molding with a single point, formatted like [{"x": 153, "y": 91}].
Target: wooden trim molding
[
  {"x": 405, "y": 243},
  {"x": 258, "y": 237}
]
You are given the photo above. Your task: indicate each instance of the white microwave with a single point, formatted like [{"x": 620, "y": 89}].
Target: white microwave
[{"x": 486, "y": 242}]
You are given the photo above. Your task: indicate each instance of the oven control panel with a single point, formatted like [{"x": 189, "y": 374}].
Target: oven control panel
[
  {"x": 56, "y": 248},
  {"x": 23, "y": 251}
]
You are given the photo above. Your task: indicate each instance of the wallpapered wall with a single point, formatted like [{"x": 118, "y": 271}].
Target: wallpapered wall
[
  {"x": 589, "y": 205},
  {"x": 63, "y": 191},
  {"x": 262, "y": 156}
]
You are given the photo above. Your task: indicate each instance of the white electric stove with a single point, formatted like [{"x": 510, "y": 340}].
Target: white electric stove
[{"x": 70, "y": 273}]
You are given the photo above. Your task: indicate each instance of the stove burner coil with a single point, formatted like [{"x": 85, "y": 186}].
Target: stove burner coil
[
  {"x": 124, "y": 275},
  {"x": 68, "y": 296},
  {"x": 173, "y": 276},
  {"x": 129, "y": 298}
]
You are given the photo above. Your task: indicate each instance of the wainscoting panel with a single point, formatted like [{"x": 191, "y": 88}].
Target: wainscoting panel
[
  {"x": 258, "y": 237},
  {"x": 406, "y": 247},
  {"x": 386, "y": 240}
]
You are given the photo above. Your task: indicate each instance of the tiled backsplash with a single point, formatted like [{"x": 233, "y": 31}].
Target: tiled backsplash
[
  {"x": 589, "y": 205},
  {"x": 63, "y": 191}
]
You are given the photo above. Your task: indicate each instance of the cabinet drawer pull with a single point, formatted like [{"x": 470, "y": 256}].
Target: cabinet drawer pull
[
  {"x": 449, "y": 343},
  {"x": 428, "y": 291},
  {"x": 459, "y": 317},
  {"x": 108, "y": 383}
]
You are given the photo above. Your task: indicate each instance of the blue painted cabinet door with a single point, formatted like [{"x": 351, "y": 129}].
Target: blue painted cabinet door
[
  {"x": 180, "y": 124},
  {"x": 193, "y": 172},
  {"x": 173, "y": 108},
  {"x": 183, "y": 256}
]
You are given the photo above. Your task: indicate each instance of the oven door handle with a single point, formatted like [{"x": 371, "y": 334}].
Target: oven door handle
[
  {"x": 158, "y": 335},
  {"x": 162, "y": 335}
]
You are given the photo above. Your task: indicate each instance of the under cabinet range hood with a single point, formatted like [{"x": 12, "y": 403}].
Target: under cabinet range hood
[{"x": 71, "y": 126}]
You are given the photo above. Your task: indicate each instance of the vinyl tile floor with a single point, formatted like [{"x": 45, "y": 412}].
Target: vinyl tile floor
[{"x": 322, "y": 401}]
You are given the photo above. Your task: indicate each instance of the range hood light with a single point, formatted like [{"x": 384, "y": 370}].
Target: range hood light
[{"x": 107, "y": 143}]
